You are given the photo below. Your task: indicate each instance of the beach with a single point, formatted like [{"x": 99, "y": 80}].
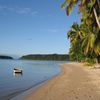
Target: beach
[{"x": 75, "y": 82}]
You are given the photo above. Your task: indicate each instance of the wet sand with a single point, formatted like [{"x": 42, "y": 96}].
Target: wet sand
[{"x": 75, "y": 82}]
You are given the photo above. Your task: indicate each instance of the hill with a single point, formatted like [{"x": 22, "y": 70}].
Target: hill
[
  {"x": 59, "y": 57},
  {"x": 5, "y": 57}
]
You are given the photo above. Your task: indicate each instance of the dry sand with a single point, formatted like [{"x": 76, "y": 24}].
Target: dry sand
[{"x": 73, "y": 83}]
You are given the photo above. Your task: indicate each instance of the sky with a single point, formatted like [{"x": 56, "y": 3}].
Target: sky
[{"x": 34, "y": 27}]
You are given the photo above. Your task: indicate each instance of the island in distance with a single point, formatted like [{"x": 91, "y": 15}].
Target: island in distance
[
  {"x": 5, "y": 57},
  {"x": 58, "y": 57}
]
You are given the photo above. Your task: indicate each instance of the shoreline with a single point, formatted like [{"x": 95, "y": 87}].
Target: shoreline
[
  {"x": 73, "y": 82},
  {"x": 24, "y": 93}
]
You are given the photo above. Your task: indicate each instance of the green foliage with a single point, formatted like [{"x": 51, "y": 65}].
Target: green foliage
[
  {"x": 84, "y": 38},
  {"x": 90, "y": 10},
  {"x": 83, "y": 43},
  {"x": 59, "y": 57},
  {"x": 5, "y": 57},
  {"x": 90, "y": 62}
]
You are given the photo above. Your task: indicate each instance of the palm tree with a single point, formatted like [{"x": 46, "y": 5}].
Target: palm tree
[
  {"x": 89, "y": 8},
  {"x": 88, "y": 33},
  {"x": 91, "y": 41},
  {"x": 75, "y": 36},
  {"x": 88, "y": 41}
]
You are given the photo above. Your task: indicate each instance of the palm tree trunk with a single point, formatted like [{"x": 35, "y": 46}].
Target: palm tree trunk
[{"x": 96, "y": 17}]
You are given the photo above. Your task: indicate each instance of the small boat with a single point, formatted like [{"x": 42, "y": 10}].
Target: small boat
[
  {"x": 17, "y": 74},
  {"x": 17, "y": 70}
]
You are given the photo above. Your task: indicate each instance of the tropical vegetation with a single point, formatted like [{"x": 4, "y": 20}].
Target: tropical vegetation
[
  {"x": 5, "y": 57},
  {"x": 59, "y": 57},
  {"x": 85, "y": 37}
]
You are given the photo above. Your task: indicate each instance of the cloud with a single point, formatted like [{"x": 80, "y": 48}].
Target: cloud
[
  {"x": 18, "y": 10},
  {"x": 23, "y": 10}
]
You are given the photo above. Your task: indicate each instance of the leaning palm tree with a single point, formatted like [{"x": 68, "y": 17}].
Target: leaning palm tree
[
  {"x": 90, "y": 40},
  {"x": 89, "y": 32},
  {"x": 90, "y": 10}
]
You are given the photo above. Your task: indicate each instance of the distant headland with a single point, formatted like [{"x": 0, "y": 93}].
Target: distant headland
[
  {"x": 58, "y": 57},
  {"x": 5, "y": 57}
]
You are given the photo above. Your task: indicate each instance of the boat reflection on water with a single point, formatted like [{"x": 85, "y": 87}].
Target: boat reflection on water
[{"x": 17, "y": 74}]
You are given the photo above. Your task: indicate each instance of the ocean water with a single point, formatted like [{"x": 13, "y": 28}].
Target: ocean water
[{"x": 34, "y": 73}]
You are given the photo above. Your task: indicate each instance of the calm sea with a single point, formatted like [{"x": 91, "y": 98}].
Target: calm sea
[{"x": 34, "y": 73}]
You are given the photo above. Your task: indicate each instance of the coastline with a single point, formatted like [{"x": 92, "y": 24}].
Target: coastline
[
  {"x": 75, "y": 82},
  {"x": 22, "y": 95}
]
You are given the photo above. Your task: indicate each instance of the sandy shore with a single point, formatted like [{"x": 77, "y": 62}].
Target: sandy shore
[{"x": 73, "y": 83}]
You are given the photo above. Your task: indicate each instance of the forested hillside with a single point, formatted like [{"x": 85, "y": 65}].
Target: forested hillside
[{"x": 46, "y": 57}]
